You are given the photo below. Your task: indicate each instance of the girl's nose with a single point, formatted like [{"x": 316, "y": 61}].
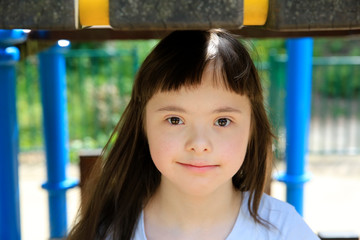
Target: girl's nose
[{"x": 198, "y": 141}]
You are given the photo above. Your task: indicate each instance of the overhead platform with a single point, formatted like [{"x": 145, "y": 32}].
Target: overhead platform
[
  {"x": 34, "y": 14},
  {"x": 144, "y": 19},
  {"x": 310, "y": 15},
  {"x": 175, "y": 14}
]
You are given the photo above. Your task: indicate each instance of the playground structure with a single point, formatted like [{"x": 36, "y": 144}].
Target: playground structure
[{"x": 133, "y": 20}]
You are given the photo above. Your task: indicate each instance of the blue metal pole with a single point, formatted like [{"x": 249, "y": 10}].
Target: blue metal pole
[
  {"x": 9, "y": 174},
  {"x": 53, "y": 91},
  {"x": 9, "y": 179},
  {"x": 298, "y": 105}
]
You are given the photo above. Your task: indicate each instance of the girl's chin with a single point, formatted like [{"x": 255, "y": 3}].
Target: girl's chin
[{"x": 200, "y": 189}]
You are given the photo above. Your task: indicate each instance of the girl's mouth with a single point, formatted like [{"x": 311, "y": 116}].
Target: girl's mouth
[{"x": 198, "y": 168}]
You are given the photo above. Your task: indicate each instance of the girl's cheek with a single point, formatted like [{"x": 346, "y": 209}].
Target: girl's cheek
[
  {"x": 168, "y": 143},
  {"x": 236, "y": 145},
  {"x": 163, "y": 143}
]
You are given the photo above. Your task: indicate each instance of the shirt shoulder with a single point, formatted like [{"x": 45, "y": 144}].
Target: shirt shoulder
[
  {"x": 284, "y": 222},
  {"x": 139, "y": 233}
]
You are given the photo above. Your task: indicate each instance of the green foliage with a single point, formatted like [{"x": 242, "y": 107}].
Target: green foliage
[
  {"x": 338, "y": 80},
  {"x": 143, "y": 47},
  {"x": 345, "y": 46},
  {"x": 28, "y": 104},
  {"x": 264, "y": 47}
]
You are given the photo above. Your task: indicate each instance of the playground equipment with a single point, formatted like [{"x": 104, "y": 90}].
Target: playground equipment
[
  {"x": 151, "y": 19},
  {"x": 53, "y": 92},
  {"x": 297, "y": 118},
  {"x": 9, "y": 187}
]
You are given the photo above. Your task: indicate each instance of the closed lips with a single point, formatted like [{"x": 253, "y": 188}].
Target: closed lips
[{"x": 198, "y": 165}]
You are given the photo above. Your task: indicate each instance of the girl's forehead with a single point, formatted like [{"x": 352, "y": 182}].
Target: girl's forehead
[
  {"x": 211, "y": 90},
  {"x": 211, "y": 77},
  {"x": 203, "y": 101},
  {"x": 208, "y": 83}
]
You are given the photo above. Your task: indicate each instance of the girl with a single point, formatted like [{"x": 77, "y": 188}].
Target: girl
[{"x": 192, "y": 152}]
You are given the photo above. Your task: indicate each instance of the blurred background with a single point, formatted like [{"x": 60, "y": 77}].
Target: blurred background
[{"x": 99, "y": 79}]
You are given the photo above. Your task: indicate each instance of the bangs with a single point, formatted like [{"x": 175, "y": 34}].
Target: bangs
[
  {"x": 183, "y": 60},
  {"x": 180, "y": 59}
]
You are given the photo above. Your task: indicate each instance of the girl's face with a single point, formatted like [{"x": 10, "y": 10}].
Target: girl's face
[{"x": 198, "y": 136}]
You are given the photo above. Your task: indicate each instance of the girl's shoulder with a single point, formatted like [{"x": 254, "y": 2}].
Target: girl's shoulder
[
  {"x": 284, "y": 222},
  {"x": 272, "y": 205}
]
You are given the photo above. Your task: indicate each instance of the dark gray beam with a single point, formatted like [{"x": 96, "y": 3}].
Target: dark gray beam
[
  {"x": 175, "y": 14},
  {"x": 313, "y": 15},
  {"x": 38, "y": 14}
]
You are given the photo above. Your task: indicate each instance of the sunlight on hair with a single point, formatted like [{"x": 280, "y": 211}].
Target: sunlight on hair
[{"x": 213, "y": 46}]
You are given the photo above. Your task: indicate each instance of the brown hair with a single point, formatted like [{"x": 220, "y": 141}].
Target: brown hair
[{"x": 128, "y": 176}]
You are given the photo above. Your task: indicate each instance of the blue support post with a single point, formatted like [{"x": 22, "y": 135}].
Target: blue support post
[
  {"x": 298, "y": 106},
  {"x": 9, "y": 174},
  {"x": 53, "y": 91},
  {"x": 9, "y": 179}
]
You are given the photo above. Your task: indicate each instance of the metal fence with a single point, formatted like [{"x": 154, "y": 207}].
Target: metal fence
[
  {"x": 335, "y": 105},
  {"x": 335, "y": 123},
  {"x": 99, "y": 83}
]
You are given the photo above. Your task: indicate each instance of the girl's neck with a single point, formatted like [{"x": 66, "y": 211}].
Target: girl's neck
[{"x": 183, "y": 212}]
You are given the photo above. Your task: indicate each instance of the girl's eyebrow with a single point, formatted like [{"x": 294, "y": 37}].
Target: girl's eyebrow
[
  {"x": 181, "y": 110},
  {"x": 226, "y": 110},
  {"x": 171, "y": 109}
]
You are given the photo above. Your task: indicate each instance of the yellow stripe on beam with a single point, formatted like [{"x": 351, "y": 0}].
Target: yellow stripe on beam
[
  {"x": 255, "y": 12},
  {"x": 94, "y": 12}
]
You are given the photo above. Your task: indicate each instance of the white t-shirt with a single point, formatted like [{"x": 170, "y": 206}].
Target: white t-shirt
[{"x": 289, "y": 224}]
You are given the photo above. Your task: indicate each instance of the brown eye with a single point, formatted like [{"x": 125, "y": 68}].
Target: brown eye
[
  {"x": 175, "y": 121},
  {"x": 222, "y": 122}
]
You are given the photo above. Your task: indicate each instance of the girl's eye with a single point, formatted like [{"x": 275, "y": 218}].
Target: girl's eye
[
  {"x": 174, "y": 120},
  {"x": 222, "y": 122}
]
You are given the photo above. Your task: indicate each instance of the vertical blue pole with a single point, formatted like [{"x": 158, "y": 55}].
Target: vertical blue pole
[
  {"x": 9, "y": 173},
  {"x": 298, "y": 106},
  {"x": 53, "y": 91},
  {"x": 9, "y": 177}
]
